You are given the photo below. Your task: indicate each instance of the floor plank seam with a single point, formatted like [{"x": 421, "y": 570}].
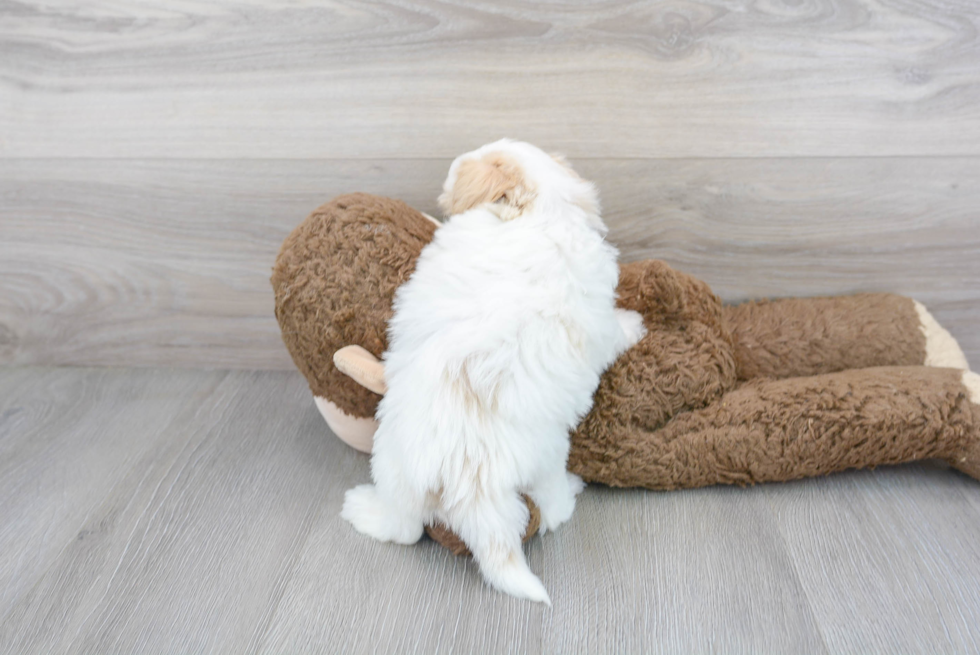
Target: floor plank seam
[
  {"x": 796, "y": 573},
  {"x": 282, "y": 584}
]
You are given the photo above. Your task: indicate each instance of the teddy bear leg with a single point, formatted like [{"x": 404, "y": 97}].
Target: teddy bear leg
[
  {"x": 773, "y": 430},
  {"x": 942, "y": 350},
  {"x": 968, "y": 460},
  {"x": 796, "y": 337}
]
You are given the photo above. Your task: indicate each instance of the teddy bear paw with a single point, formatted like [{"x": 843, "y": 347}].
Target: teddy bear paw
[
  {"x": 968, "y": 461},
  {"x": 942, "y": 350},
  {"x": 971, "y": 381}
]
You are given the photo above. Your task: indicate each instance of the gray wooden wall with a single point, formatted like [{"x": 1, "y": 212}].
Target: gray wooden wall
[{"x": 153, "y": 155}]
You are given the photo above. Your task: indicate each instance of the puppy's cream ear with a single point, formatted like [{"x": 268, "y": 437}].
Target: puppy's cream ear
[{"x": 493, "y": 178}]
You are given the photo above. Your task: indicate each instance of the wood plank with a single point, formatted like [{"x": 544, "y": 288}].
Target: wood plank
[
  {"x": 227, "y": 535},
  {"x": 67, "y": 438},
  {"x": 687, "y": 572},
  {"x": 167, "y": 262},
  {"x": 189, "y": 550},
  {"x": 432, "y": 78},
  {"x": 888, "y": 558},
  {"x": 157, "y": 262},
  {"x": 351, "y": 594},
  {"x": 193, "y": 511},
  {"x": 816, "y": 227}
]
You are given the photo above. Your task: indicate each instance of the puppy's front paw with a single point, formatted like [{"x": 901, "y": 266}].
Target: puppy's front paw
[
  {"x": 575, "y": 484},
  {"x": 632, "y": 324},
  {"x": 560, "y": 504}
]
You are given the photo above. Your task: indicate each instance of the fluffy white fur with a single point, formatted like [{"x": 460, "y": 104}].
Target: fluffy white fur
[{"x": 496, "y": 346}]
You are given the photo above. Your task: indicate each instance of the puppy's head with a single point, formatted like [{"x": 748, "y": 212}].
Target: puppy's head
[{"x": 511, "y": 178}]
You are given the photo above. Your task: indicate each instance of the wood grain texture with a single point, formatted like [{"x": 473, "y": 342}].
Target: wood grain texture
[
  {"x": 704, "y": 571},
  {"x": 188, "y": 550},
  {"x": 350, "y": 594},
  {"x": 167, "y": 262},
  {"x": 66, "y": 440},
  {"x": 888, "y": 558},
  {"x": 161, "y": 511},
  {"x": 424, "y": 78}
]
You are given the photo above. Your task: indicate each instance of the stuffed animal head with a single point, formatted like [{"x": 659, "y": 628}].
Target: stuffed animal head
[{"x": 334, "y": 282}]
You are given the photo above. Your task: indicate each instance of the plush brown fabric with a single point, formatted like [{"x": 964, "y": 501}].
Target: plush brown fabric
[
  {"x": 695, "y": 349},
  {"x": 771, "y": 430},
  {"x": 794, "y": 337},
  {"x": 334, "y": 281},
  {"x": 763, "y": 391},
  {"x": 684, "y": 362}
]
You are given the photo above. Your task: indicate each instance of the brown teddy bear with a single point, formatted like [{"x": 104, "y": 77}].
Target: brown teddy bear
[{"x": 757, "y": 392}]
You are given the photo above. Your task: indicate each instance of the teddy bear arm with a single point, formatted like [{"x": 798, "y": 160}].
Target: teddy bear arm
[
  {"x": 808, "y": 336},
  {"x": 774, "y": 430},
  {"x": 664, "y": 295},
  {"x": 361, "y": 366}
]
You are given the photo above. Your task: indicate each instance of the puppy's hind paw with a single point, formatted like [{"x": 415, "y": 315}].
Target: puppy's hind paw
[
  {"x": 362, "y": 509},
  {"x": 559, "y": 506},
  {"x": 367, "y": 511}
]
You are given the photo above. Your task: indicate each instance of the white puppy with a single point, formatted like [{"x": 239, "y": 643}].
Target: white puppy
[{"x": 496, "y": 346}]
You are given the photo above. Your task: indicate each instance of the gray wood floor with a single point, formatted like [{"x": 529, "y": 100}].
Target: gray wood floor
[{"x": 163, "y": 511}]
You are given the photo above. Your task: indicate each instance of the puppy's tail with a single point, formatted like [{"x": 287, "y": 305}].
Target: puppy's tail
[
  {"x": 507, "y": 570},
  {"x": 492, "y": 530}
]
